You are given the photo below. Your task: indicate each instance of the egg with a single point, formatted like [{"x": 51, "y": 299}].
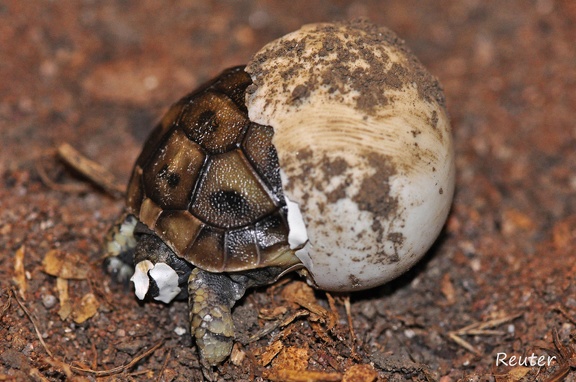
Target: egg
[{"x": 364, "y": 147}]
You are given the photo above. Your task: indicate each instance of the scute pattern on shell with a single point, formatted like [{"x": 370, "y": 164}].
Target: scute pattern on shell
[{"x": 208, "y": 182}]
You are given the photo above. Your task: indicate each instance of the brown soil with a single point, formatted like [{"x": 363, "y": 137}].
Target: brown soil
[{"x": 98, "y": 75}]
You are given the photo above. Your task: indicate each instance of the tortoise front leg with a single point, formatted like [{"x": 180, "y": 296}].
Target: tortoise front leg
[
  {"x": 211, "y": 298},
  {"x": 120, "y": 245}
]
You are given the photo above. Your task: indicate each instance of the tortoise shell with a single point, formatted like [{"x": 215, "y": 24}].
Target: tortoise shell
[{"x": 208, "y": 181}]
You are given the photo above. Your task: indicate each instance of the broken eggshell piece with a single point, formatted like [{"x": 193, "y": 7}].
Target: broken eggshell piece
[
  {"x": 364, "y": 147},
  {"x": 165, "y": 277}
]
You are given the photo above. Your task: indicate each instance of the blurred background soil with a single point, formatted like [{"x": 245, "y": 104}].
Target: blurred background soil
[{"x": 98, "y": 75}]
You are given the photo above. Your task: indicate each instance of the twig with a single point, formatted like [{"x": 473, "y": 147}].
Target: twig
[
  {"x": 331, "y": 318},
  {"x": 140, "y": 372},
  {"x": 286, "y": 319},
  {"x": 349, "y": 316},
  {"x": 479, "y": 329},
  {"x": 164, "y": 364},
  {"x": 465, "y": 344},
  {"x": 20, "y": 272},
  {"x": 119, "y": 369},
  {"x": 33, "y": 323},
  {"x": 68, "y": 188},
  {"x": 95, "y": 172}
]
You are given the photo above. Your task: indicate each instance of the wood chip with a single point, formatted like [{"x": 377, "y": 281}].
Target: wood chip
[
  {"x": 270, "y": 352},
  {"x": 291, "y": 364},
  {"x": 86, "y": 309},
  {"x": 272, "y": 314},
  {"x": 65, "y": 265},
  {"x": 19, "y": 272},
  {"x": 302, "y": 376},
  {"x": 321, "y": 332},
  {"x": 292, "y": 358},
  {"x": 517, "y": 373},
  {"x": 238, "y": 355},
  {"x": 65, "y": 304},
  {"x": 360, "y": 373},
  {"x": 448, "y": 290},
  {"x": 302, "y": 294}
]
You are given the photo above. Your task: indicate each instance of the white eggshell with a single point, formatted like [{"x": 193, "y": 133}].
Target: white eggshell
[
  {"x": 298, "y": 236},
  {"x": 364, "y": 146},
  {"x": 140, "y": 278},
  {"x": 167, "y": 281},
  {"x": 165, "y": 277}
]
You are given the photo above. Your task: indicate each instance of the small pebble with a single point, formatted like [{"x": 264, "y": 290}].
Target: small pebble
[
  {"x": 179, "y": 330},
  {"x": 368, "y": 310},
  {"x": 49, "y": 301},
  {"x": 409, "y": 333}
]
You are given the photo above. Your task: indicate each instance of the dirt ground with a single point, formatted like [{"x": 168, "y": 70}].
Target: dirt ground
[{"x": 500, "y": 279}]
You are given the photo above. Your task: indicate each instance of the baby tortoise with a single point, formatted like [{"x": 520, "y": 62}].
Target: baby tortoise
[
  {"x": 362, "y": 134},
  {"x": 206, "y": 217}
]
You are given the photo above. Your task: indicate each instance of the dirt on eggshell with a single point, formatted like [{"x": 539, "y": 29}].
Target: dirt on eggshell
[{"x": 370, "y": 83}]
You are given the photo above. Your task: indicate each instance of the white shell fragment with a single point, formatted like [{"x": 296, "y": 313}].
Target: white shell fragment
[
  {"x": 167, "y": 280},
  {"x": 140, "y": 278},
  {"x": 364, "y": 146},
  {"x": 165, "y": 277},
  {"x": 297, "y": 236}
]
